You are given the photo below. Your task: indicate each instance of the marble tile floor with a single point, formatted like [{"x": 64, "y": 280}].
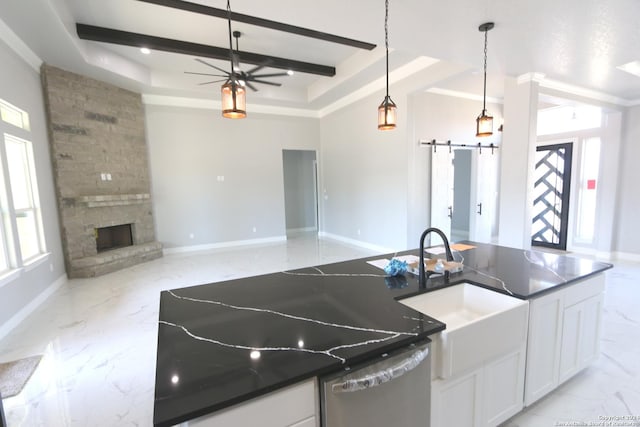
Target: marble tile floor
[{"x": 98, "y": 337}]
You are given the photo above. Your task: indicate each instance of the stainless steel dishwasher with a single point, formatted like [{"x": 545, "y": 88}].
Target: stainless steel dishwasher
[{"x": 393, "y": 390}]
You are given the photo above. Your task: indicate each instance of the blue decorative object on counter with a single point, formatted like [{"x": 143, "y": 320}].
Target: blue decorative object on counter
[
  {"x": 396, "y": 267},
  {"x": 396, "y": 282}
]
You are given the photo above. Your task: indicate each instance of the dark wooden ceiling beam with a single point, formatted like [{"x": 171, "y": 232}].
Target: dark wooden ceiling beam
[
  {"x": 109, "y": 35},
  {"x": 260, "y": 22}
]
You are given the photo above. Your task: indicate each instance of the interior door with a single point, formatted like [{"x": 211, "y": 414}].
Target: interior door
[
  {"x": 484, "y": 186},
  {"x": 441, "y": 189},
  {"x": 551, "y": 196}
]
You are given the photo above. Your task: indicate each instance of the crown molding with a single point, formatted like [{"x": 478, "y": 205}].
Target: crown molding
[
  {"x": 211, "y": 104},
  {"x": 395, "y": 76},
  {"x": 463, "y": 95},
  {"x": 546, "y": 83},
  {"x": 16, "y": 44}
]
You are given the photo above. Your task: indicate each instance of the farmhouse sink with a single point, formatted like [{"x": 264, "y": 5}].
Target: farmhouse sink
[{"x": 481, "y": 325}]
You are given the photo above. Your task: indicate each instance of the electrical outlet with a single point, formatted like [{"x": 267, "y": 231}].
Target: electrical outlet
[
  {"x": 358, "y": 231},
  {"x": 191, "y": 235},
  {"x": 255, "y": 229}
]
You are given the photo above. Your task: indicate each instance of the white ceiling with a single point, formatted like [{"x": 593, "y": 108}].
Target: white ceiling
[{"x": 572, "y": 42}]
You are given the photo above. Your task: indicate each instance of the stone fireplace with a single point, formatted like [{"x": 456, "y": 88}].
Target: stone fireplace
[{"x": 99, "y": 156}]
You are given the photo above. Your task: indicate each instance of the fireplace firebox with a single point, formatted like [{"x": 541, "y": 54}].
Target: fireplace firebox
[{"x": 117, "y": 236}]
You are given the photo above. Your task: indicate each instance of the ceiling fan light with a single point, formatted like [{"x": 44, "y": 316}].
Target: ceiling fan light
[
  {"x": 233, "y": 100},
  {"x": 387, "y": 114},
  {"x": 484, "y": 125}
]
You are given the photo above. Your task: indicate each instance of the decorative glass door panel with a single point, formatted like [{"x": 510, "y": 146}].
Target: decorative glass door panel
[{"x": 551, "y": 196}]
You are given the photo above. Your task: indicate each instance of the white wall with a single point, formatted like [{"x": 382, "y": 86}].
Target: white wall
[
  {"x": 299, "y": 189},
  {"x": 190, "y": 148},
  {"x": 20, "y": 86},
  {"x": 517, "y": 163},
  {"x": 628, "y": 228},
  {"x": 364, "y": 174}
]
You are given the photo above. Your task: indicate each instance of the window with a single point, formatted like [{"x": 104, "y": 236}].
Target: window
[
  {"x": 568, "y": 119},
  {"x": 24, "y": 191},
  {"x": 21, "y": 232},
  {"x": 589, "y": 170},
  {"x": 13, "y": 115}
]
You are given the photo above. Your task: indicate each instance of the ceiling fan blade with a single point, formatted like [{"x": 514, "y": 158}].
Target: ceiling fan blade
[
  {"x": 208, "y": 83},
  {"x": 211, "y": 65},
  {"x": 269, "y": 75},
  {"x": 256, "y": 68},
  {"x": 250, "y": 86},
  {"x": 205, "y": 74},
  {"x": 266, "y": 82}
]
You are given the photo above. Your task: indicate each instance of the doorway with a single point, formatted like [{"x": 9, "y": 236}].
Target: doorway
[
  {"x": 551, "y": 196},
  {"x": 464, "y": 198},
  {"x": 300, "y": 175}
]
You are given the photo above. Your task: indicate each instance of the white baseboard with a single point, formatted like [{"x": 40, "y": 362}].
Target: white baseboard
[
  {"x": 229, "y": 244},
  {"x": 626, "y": 256},
  {"x": 301, "y": 230},
  {"x": 366, "y": 245},
  {"x": 17, "y": 318}
]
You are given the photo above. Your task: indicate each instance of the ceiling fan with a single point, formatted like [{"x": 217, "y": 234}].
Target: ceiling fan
[{"x": 244, "y": 78}]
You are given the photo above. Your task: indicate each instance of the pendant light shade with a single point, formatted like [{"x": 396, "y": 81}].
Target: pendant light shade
[
  {"x": 387, "y": 110},
  {"x": 484, "y": 122},
  {"x": 387, "y": 114},
  {"x": 233, "y": 100}
]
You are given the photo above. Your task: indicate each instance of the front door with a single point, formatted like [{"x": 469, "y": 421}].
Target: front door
[{"x": 551, "y": 196}]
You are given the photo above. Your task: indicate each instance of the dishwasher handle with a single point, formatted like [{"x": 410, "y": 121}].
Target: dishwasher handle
[{"x": 383, "y": 376}]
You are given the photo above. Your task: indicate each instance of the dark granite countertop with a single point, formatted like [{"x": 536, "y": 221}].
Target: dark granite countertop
[{"x": 223, "y": 343}]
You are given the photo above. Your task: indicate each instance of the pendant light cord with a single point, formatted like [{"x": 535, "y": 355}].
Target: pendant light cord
[
  {"x": 484, "y": 98},
  {"x": 386, "y": 38},
  {"x": 230, "y": 39}
]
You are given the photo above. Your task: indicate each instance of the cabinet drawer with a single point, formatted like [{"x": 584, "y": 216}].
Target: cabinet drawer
[
  {"x": 573, "y": 294},
  {"x": 293, "y": 405}
]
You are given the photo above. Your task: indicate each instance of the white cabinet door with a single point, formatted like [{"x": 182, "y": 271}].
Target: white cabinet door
[
  {"x": 590, "y": 334},
  {"x": 580, "y": 336},
  {"x": 504, "y": 387},
  {"x": 457, "y": 402},
  {"x": 543, "y": 349},
  {"x": 570, "y": 350}
]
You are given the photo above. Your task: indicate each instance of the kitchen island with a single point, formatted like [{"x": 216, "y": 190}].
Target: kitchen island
[{"x": 225, "y": 343}]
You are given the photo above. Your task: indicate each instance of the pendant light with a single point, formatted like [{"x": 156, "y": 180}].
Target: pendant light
[
  {"x": 387, "y": 110},
  {"x": 484, "y": 122},
  {"x": 233, "y": 93}
]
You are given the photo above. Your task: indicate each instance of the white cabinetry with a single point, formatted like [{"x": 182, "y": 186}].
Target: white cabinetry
[
  {"x": 580, "y": 336},
  {"x": 293, "y": 406},
  {"x": 484, "y": 396},
  {"x": 564, "y": 335}
]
